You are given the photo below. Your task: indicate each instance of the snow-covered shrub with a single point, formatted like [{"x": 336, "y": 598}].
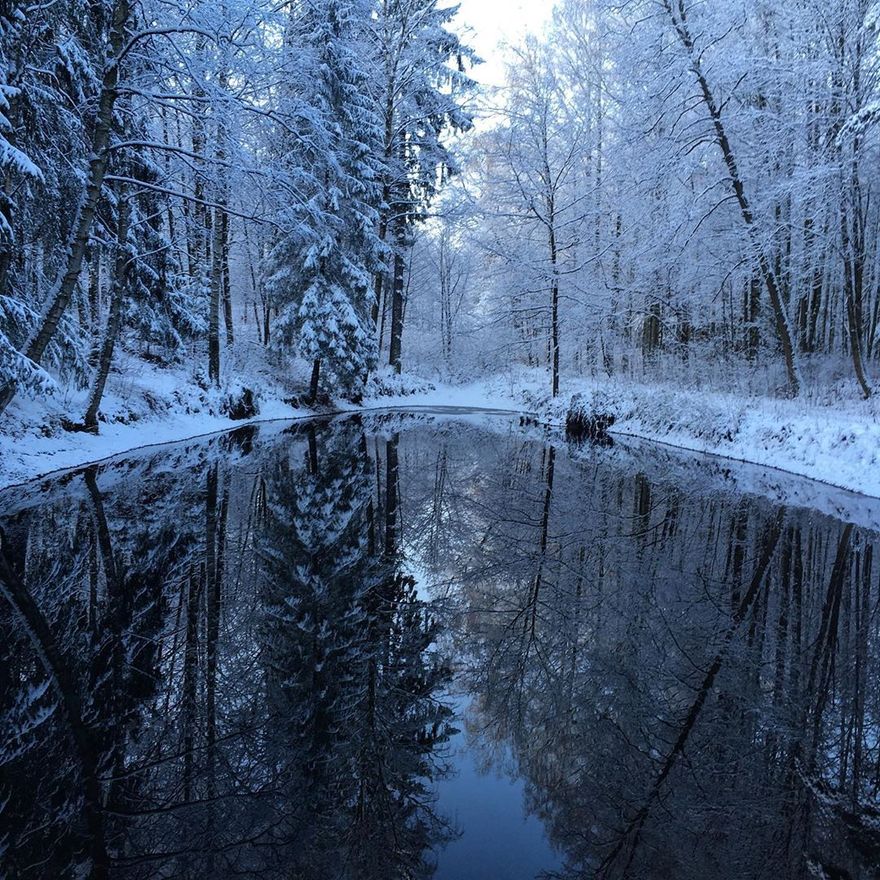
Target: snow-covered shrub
[
  {"x": 388, "y": 383},
  {"x": 591, "y": 415},
  {"x": 239, "y": 402}
]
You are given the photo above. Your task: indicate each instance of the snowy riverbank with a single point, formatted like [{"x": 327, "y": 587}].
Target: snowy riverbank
[
  {"x": 144, "y": 406},
  {"x": 838, "y": 445}
]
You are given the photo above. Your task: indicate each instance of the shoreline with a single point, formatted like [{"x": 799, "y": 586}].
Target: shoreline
[{"x": 85, "y": 450}]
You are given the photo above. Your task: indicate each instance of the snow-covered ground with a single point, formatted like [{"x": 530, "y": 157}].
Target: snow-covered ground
[
  {"x": 838, "y": 444},
  {"x": 144, "y": 405}
]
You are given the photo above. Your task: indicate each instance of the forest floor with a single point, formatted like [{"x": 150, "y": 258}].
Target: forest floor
[{"x": 835, "y": 441}]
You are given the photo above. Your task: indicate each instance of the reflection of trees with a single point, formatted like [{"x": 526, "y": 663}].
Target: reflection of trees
[
  {"x": 226, "y": 671},
  {"x": 217, "y": 673},
  {"x": 685, "y": 683}
]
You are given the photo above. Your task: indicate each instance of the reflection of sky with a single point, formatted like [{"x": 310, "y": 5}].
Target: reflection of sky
[{"x": 498, "y": 840}]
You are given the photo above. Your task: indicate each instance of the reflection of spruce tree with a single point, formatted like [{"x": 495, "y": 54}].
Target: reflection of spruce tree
[
  {"x": 350, "y": 681},
  {"x": 400, "y": 728},
  {"x": 314, "y": 556},
  {"x": 401, "y": 723}
]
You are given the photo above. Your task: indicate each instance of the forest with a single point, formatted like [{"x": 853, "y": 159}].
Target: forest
[{"x": 208, "y": 207}]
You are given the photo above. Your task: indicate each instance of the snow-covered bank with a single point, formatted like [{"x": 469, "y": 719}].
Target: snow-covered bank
[
  {"x": 835, "y": 444},
  {"x": 144, "y": 406}
]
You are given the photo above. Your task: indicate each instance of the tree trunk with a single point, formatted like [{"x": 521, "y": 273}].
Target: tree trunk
[
  {"x": 780, "y": 316},
  {"x": 114, "y": 320},
  {"x": 554, "y": 313},
  {"x": 313, "y": 385},
  {"x": 392, "y": 527},
  {"x": 853, "y": 282},
  {"x": 397, "y": 293},
  {"x": 227, "y": 291},
  {"x": 216, "y": 296},
  {"x": 95, "y": 300},
  {"x": 79, "y": 235},
  {"x": 379, "y": 279}
]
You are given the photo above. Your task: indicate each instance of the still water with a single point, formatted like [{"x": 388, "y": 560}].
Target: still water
[{"x": 439, "y": 646}]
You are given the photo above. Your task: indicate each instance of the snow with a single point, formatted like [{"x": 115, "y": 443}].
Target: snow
[
  {"x": 838, "y": 445},
  {"x": 144, "y": 406}
]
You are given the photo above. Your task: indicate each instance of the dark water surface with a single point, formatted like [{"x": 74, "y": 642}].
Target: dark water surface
[{"x": 424, "y": 646}]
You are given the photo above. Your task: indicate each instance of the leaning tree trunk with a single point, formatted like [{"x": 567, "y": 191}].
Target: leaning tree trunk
[
  {"x": 79, "y": 235},
  {"x": 678, "y": 16},
  {"x": 114, "y": 320},
  {"x": 853, "y": 282}
]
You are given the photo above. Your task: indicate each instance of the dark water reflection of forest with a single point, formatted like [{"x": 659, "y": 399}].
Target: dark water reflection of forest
[{"x": 402, "y": 647}]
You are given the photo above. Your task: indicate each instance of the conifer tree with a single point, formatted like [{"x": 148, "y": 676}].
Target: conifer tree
[{"x": 322, "y": 263}]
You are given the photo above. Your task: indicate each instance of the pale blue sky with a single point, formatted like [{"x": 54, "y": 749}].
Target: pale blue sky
[{"x": 494, "y": 21}]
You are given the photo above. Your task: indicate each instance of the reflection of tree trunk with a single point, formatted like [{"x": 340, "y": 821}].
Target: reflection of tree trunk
[
  {"x": 392, "y": 527},
  {"x": 371, "y": 504},
  {"x": 530, "y": 620},
  {"x": 213, "y": 613},
  {"x": 93, "y": 582},
  {"x": 436, "y": 527},
  {"x": 60, "y": 673},
  {"x": 190, "y": 657},
  {"x": 826, "y": 644},
  {"x": 736, "y": 561},
  {"x": 212, "y": 584},
  {"x": 862, "y": 615},
  {"x": 782, "y": 620},
  {"x": 313, "y": 450},
  {"x": 798, "y": 808},
  {"x": 111, "y": 707},
  {"x": 632, "y": 833}
]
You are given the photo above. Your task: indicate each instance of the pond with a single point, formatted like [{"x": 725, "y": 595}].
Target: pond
[{"x": 436, "y": 645}]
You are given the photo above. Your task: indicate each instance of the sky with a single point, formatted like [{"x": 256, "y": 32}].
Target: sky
[{"x": 495, "y": 21}]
